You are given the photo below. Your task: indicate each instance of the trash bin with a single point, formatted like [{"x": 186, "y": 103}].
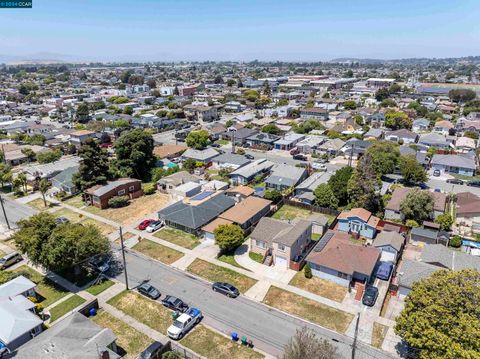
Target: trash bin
[
  {"x": 92, "y": 312},
  {"x": 175, "y": 315},
  {"x": 244, "y": 340},
  {"x": 234, "y": 336}
]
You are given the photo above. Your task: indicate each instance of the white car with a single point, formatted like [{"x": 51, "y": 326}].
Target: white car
[
  {"x": 184, "y": 323},
  {"x": 154, "y": 226},
  {"x": 319, "y": 166}
]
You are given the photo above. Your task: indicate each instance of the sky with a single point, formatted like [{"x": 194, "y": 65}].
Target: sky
[{"x": 294, "y": 30}]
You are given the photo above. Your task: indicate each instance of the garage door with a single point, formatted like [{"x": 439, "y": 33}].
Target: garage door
[{"x": 281, "y": 262}]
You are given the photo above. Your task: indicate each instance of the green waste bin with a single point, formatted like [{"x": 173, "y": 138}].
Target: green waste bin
[
  {"x": 175, "y": 315},
  {"x": 244, "y": 340}
]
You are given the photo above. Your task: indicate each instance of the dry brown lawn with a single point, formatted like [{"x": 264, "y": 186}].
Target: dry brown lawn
[
  {"x": 311, "y": 310},
  {"x": 136, "y": 211},
  {"x": 75, "y": 217},
  {"x": 378, "y": 334},
  {"x": 157, "y": 251},
  {"x": 319, "y": 286}
]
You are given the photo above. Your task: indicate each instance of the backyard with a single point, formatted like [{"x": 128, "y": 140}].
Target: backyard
[
  {"x": 321, "y": 287},
  {"x": 157, "y": 251},
  {"x": 178, "y": 237},
  {"x": 311, "y": 310},
  {"x": 64, "y": 307},
  {"x": 288, "y": 213},
  {"x": 214, "y": 273}
]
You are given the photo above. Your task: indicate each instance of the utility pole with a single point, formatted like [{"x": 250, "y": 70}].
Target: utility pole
[
  {"x": 4, "y": 212},
  {"x": 354, "y": 345},
  {"x": 124, "y": 261}
]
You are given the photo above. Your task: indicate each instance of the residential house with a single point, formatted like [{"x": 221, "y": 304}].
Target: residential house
[
  {"x": 420, "y": 125},
  {"x": 411, "y": 272},
  {"x": 285, "y": 243},
  {"x": 262, "y": 139},
  {"x": 190, "y": 216},
  {"x": 457, "y": 164},
  {"x": 188, "y": 189},
  {"x": 304, "y": 191},
  {"x": 230, "y": 161},
  {"x": 331, "y": 147},
  {"x": 75, "y": 336},
  {"x": 465, "y": 145},
  {"x": 442, "y": 127},
  {"x": 420, "y": 236},
  {"x": 392, "y": 209},
  {"x": 79, "y": 137},
  {"x": 376, "y": 120},
  {"x": 359, "y": 222},
  {"x": 467, "y": 214},
  {"x": 49, "y": 170},
  {"x": 18, "y": 322},
  {"x": 310, "y": 144},
  {"x": 239, "y": 135},
  {"x": 240, "y": 192},
  {"x": 374, "y": 134},
  {"x": 315, "y": 113},
  {"x": 433, "y": 140},
  {"x": 289, "y": 141},
  {"x": 248, "y": 212},
  {"x": 201, "y": 113},
  {"x": 247, "y": 173},
  {"x": 421, "y": 157},
  {"x": 354, "y": 148},
  {"x": 99, "y": 195},
  {"x": 168, "y": 183},
  {"x": 391, "y": 244},
  {"x": 205, "y": 156},
  {"x": 63, "y": 181},
  {"x": 169, "y": 151},
  {"x": 337, "y": 259},
  {"x": 347, "y": 127},
  {"x": 402, "y": 135},
  {"x": 285, "y": 176}
]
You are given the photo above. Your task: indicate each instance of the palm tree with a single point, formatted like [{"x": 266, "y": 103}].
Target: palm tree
[{"x": 43, "y": 187}]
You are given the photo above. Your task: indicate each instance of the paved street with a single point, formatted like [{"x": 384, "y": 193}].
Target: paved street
[
  {"x": 269, "y": 329},
  {"x": 449, "y": 187},
  {"x": 15, "y": 211}
]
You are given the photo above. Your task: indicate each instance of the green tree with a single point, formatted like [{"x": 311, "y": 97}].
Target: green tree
[
  {"x": 36, "y": 139},
  {"x": 388, "y": 102},
  {"x": 271, "y": 128},
  {"x": 445, "y": 221},
  {"x": 471, "y": 134},
  {"x": 412, "y": 223},
  {"x": 306, "y": 345},
  {"x": 350, "y": 105},
  {"x": 362, "y": 186},
  {"x": 94, "y": 168},
  {"x": 417, "y": 205},
  {"x": 338, "y": 182},
  {"x": 29, "y": 153},
  {"x": 384, "y": 157},
  {"x": 43, "y": 187},
  {"x": 440, "y": 318},
  {"x": 198, "y": 139},
  {"x": 22, "y": 180},
  {"x": 456, "y": 241},
  {"x": 382, "y": 94},
  {"x": 462, "y": 95},
  {"x": 397, "y": 120},
  {"x": 266, "y": 88},
  {"x": 49, "y": 156},
  {"x": 229, "y": 236},
  {"x": 324, "y": 196},
  {"x": 82, "y": 111},
  {"x": 411, "y": 170},
  {"x": 5, "y": 174},
  {"x": 171, "y": 355},
  {"x": 189, "y": 164},
  {"x": 134, "y": 151},
  {"x": 273, "y": 195},
  {"x": 231, "y": 82},
  {"x": 307, "y": 271}
]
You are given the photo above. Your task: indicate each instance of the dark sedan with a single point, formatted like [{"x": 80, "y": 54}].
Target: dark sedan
[
  {"x": 225, "y": 288},
  {"x": 249, "y": 157},
  {"x": 370, "y": 296},
  {"x": 149, "y": 291},
  {"x": 454, "y": 181},
  {"x": 473, "y": 183},
  {"x": 175, "y": 303}
]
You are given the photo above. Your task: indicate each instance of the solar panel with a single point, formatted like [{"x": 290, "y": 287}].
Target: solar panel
[
  {"x": 202, "y": 195},
  {"x": 323, "y": 241}
]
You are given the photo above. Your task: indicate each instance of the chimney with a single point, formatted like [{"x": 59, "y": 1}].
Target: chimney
[{"x": 104, "y": 355}]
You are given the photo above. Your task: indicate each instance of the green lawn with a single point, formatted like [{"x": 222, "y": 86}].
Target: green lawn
[
  {"x": 64, "y": 307},
  {"x": 48, "y": 291},
  {"x": 222, "y": 142},
  {"x": 210, "y": 344},
  {"x": 76, "y": 201},
  {"x": 131, "y": 341},
  {"x": 178, "y": 237},
  {"x": 287, "y": 212},
  {"x": 256, "y": 257},
  {"x": 214, "y": 273},
  {"x": 98, "y": 288},
  {"x": 311, "y": 310},
  {"x": 146, "y": 311},
  {"x": 157, "y": 251},
  {"x": 316, "y": 236},
  {"x": 230, "y": 259}
]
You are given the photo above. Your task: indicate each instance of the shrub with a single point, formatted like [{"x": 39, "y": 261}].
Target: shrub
[
  {"x": 241, "y": 151},
  {"x": 307, "y": 271},
  {"x": 412, "y": 223},
  {"x": 118, "y": 201},
  {"x": 456, "y": 241},
  {"x": 149, "y": 189}
]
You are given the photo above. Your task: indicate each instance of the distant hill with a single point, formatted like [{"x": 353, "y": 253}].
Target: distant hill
[{"x": 409, "y": 61}]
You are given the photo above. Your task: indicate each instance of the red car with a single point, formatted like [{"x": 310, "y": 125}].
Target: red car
[{"x": 144, "y": 224}]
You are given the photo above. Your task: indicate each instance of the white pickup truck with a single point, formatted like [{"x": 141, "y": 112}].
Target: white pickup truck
[{"x": 184, "y": 323}]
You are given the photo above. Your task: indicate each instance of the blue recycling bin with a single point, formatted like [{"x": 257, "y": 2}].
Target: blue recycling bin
[
  {"x": 92, "y": 312},
  {"x": 234, "y": 336}
]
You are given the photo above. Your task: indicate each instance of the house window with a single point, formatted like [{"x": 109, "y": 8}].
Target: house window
[
  {"x": 121, "y": 192},
  {"x": 96, "y": 199},
  {"x": 131, "y": 188},
  {"x": 281, "y": 247},
  {"x": 342, "y": 275},
  {"x": 261, "y": 244}
]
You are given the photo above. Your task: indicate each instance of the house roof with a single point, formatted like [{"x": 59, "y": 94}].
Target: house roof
[
  {"x": 179, "y": 178},
  {"x": 74, "y": 337},
  {"x": 402, "y": 133},
  {"x": 361, "y": 213},
  {"x": 444, "y": 124},
  {"x": 246, "y": 209},
  {"x": 243, "y": 190},
  {"x": 312, "y": 182},
  {"x": 438, "y": 254},
  {"x": 253, "y": 168},
  {"x": 339, "y": 254},
  {"x": 66, "y": 176},
  {"x": 100, "y": 190},
  {"x": 272, "y": 230},
  {"x": 424, "y": 232},
  {"x": 467, "y": 204},
  {"x": 454, "y": 161},
  {"x": 200, "y": 155},
  {"x": 231, "y": 158},
  {"x": 285, "y": 175},
  {"x": 210, "y": 228},
  {"x": 17, "y": 319},
  {"x": 385, "y": 238},
  {"x": 399, "y": 194},
  {"x": 414, "y": 271},
  {"x": 16, "y": 287}
]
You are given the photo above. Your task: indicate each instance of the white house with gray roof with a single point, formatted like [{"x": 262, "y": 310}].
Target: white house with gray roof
[
  {"x": 204, "y": 156},
  {"x": 285, "y": 176},
  {"x": 230, "y": 161},
  {"x": 456, "y": 164},
  {"x": 247, "y": 173}
]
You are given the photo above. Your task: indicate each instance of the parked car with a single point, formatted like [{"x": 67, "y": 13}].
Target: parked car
[
  {"x": 10, "y": 259},
  {"x": 436, "y": 173},
  {"x": 100, "y": 263},
  {"x": 438, "y": 190},
  {"x": 175, "y": 303},
  {"x": 454, "y": 181},
  {"x": 249, "y": 157},
  {"x": 226, "y": 288},
  {"x": 145, "y": 223},
  {"x": 153, "y": 351},
  {"x": 299, "y": 157},
  {"x": 62, "y": 220},
  {"x": 149, "y": 291},
  {"x": 385, "y": 270},
  {"x": 216, "y": 145},
  {"x": 319, "y": 166},
  {"x": 474, "y": 183},
  {"x": 184, "y": 323},
  {"x": 154, "y": 226},
  {"x": 370, "y": 296},
  {"x": 294, "y": 151}
]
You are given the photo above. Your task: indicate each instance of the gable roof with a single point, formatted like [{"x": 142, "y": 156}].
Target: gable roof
[
  {"x": 468, "y": 204},
  {"x": 100, "y": 190},
  {"x": 272, "y": 230},
  {"x": 245, "y": 210},
  {"x": 200, "y": 155},
  {"x": 386, "y": 238},
  {"x": 400, "y": 193},
  {"x": 414, "y": 271},
  {"x": 16, "y": 286},
  {"x": 440, "y": 255},
  {"x": 361, "y": 213},
  {"x": 286, "y": 175},
  {"x": 454, "y": 161}
]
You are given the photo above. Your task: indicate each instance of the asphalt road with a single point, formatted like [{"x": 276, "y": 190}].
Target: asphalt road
[
  {"x": 449, "y": 187},
  {"x": 268, "y": 328},
  {"x": 15, "y": 212}
]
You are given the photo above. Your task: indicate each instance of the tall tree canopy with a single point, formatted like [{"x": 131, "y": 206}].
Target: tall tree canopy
[
  {"x": 324, "y": 196},
  {"x": 384, "y": 157},
  {"x": 134, "y": 150},
  {"x": 417, "y": 205},
  {"x": 462, "y": 95},
  {"x": 363, "y": 184},
  {"x": 411, "y": 170},
  {"x": 94, "y": 168},
  {"x": 229, "y": 236},
  {"x": 338, "y": 183},
  {"x": 441, "y": 316},
  {"x": 397, "y": 120},
  {"x": 198, "y": 139}
]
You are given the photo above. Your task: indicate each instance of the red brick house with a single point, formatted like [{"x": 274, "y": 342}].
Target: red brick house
[{"x": 99, "y": 195}]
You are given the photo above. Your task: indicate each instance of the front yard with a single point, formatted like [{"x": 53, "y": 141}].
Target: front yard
[
  {"x": 64, "y": 307},
  {"x": 378, "y": 334},
  {"x": 40, "y": 205},
  {"x": 288, "y": 213},
  {"x": 230, "y": 259},
  {"x": 137, "y": 210},
  {"x": 321, "y": 287},
  {"x": 215, "y": 273},
  {"x": 311, "y": 310},
  {"x": 210, "y": 344},
  {"x": 146, "y": 311},
  {"x": 178, "y": 237},
  {"x": 157, "y": 251},
  {"x": 75, "y": 217},
  {"x": 99, "y": 287},
  {"x": 131, "y": 341}
]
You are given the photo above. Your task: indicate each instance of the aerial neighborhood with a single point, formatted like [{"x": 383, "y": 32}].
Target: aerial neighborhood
[{"x": 153, "y": 208}]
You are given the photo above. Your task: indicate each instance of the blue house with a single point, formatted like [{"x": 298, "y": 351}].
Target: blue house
[{"x": 359, "y": 222}]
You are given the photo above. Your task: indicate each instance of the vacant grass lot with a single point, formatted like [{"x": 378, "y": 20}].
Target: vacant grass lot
[
  {"x": 178, "y": 237},
  {"x": 64, "y": 307},
  {"x": 40, "y": 205},
  {"x": 137, "y": 210},
  {"x": 309, "y": 309},
  {"x": 213, "y": 345},
  {"x": 75, "y": 217},
  {"x": 146, "y": 311},
  {"x": 287, "y": 212},
  {"x": 320, "y": 287},
  {"x": 130, "y": 340},
  {"x": 49, "y": 291},
  {"x": 157, "y": 251},
  {"x": 215, "y": 273},
  {"x": 378, "y": 334},
  {"x": 75, "y": 201},
  {"x": 98, "y": 288}
]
